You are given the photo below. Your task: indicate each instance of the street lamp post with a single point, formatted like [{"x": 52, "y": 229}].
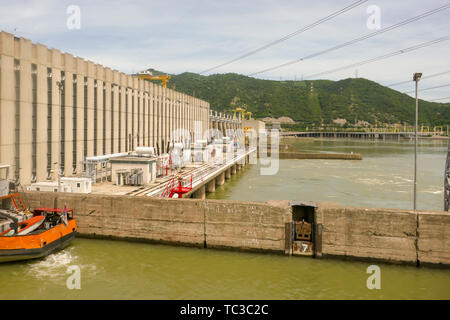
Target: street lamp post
[{"x": 416, "y": 78}]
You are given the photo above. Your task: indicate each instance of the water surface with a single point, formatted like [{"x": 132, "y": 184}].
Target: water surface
[{"x": 125, "y": 270}]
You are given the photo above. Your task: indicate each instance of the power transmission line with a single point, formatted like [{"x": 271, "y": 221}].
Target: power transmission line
[
  {"x": 441, "y": 86},
  {"x": 270, "y": 44},
  {"x": 367, "y": 36},
  {"x": 440, "y": 99},
  {"x": 389, "y": 55},
  {"x": 426, "y": 77}
]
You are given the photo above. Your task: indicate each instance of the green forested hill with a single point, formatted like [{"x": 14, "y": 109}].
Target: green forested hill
[{"x": 351, "y": 99}]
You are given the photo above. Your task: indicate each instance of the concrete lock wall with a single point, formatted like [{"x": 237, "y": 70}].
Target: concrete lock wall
[
  {"x": 385, "y": 234},
  {"x": 211, "y": 223},
  {"x": 103, "y": 111},
  {"x": 373, "y": 234}
]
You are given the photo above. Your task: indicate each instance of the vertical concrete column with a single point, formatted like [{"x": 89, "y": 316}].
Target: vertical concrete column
[
  {"x": 109, "y": 111},
  {"x": 7, "y": 99},
  {"x": 176, "y": 125},
  {"x": 205, "y": 118},
  {"x": 129, "y": 100},
  {"x": 81, "y": 73},
  {"x": 167, "y": 117},
  {"x": 123, "y": 115},
  {"x": 174, "y": 113},
  {"x": 69, "y": 67},
  {"x": 116, "y": 132},
  {"x": 25, "y": 120},
  {"x": 179, "y": 106},
  {"x": 162, "y": 115},
  {"x": 188, "y": 108},
  {"x": 147, "y": 114},
  {"x": 192, "y": 116},
  {"x": 164, "y": 119},
  {"x": 220, "y": 179},
  {"x": 197, "y": 118},
  {"x": 100, "y": 76},
  {"x": 159, "y": 97},
  {"x": 90, "y": 108},
  {"x": 41, "y": 112},
  {"x": 135, "y": 117},
  {"x": 228, "y": 173},
  {"x": 56, "y": 114},
  {"x": 132, "y": 109},
  {"x": 233, "y": 169},
  {"x": 170, "y": 115},
  {"x": 143, "y": 113},
  {"x": 138, "y": 124},
  {"x": 211, "y": 186},
  {"x": 185, "y": 111},
  {"x": 200, "y": 193},
  {"x": 153, "y": 113}
]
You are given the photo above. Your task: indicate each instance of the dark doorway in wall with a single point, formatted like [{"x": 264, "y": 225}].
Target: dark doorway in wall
[
  {"x": 301, "y": 232},
  {"x": 303, "y": 211}
]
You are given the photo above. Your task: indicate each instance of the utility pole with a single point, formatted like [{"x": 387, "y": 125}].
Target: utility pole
[
  {"x": 416, "y": 78},
  {"x": 60, "y": 87}
]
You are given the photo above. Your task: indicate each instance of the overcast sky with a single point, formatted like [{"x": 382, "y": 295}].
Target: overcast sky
[{"x": 194, "y": 35}]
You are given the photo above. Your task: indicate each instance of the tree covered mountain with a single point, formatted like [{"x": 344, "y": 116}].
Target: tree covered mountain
[{"x": 311, "y": 101}]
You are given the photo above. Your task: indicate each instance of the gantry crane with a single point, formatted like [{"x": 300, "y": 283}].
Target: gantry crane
[
  {"x": 148, "y": 75},
  {"x": 239, "y": 110}
]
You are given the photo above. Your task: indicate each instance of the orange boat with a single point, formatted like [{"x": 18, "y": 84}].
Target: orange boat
[{"x": 50, "y": 230}]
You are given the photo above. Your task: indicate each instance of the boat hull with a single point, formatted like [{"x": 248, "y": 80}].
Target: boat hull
[{"x": 17, "y": 248}]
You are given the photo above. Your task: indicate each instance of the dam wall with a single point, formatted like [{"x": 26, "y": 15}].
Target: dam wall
[
  {"x": 369, "y": 234},
  {"x": 385, "y": 234},
  {"x": 211, "y": 223}
]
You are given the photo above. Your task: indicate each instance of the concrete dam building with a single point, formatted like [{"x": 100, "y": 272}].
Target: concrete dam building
[{"x": 102, "y": 111}]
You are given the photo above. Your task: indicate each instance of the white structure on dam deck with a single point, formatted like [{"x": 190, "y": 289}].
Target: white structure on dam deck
[{"x": 103, "y": 111}]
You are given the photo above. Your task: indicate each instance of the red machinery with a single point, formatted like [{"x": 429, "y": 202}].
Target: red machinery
[{"x": 171, "y": 189}]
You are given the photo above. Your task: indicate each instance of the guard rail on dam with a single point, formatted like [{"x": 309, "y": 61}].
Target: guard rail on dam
[
  {"x": 324, "y": 229},
  {"x": 209, "y": 175}
]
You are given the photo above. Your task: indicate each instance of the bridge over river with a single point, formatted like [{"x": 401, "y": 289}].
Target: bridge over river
[{"x": 360, "y": 135}]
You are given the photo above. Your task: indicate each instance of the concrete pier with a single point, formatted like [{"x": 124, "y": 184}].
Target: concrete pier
[
  {"x": 211, "y": 186},
  {"x": 228, "y": 173},
  {"x": 200, "y": 193},
  {"x": 220, "y": 180}
]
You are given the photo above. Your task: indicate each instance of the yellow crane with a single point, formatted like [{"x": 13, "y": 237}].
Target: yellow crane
[
  {"x": 147, "y": 75},
  {"x": 239, "y": 110}
]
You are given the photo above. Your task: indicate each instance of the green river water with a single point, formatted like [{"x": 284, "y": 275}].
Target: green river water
[{"x": 125, "y": 270}]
